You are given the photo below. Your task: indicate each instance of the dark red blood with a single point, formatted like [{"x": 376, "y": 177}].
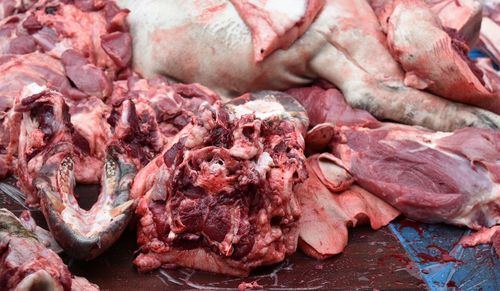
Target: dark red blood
[
  {"x": 451, "y": 284},
  {"x": 411, "y": 224}
]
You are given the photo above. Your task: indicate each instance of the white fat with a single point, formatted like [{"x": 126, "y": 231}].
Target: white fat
[
  {"x": 32, "y": 89},
  {"x": 262, "y": 109},
  {"x": 264, "y": 163}
]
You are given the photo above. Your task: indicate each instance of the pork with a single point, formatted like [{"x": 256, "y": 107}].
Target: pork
[
  {"x": 483, "y": 236},
  {"x": 491, "y": 76},
  {"x": 330, "y": 204},
  {"x": 92, "y": 42},
  {"x": 221, "y": 198},
  {"x": 172, "y": 105},
  {"x": 329, "y": 106},
  {"x": 338, "y": 46},
  {"x": 26, "y": 264},
  {"x": 428, "y": 176},
  {"x": 415, "y": 35}
]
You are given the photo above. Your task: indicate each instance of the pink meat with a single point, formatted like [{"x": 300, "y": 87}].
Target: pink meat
[
  {"x": 427, "y": 52},
  {"x": 483, "y": 236},
  {"x": 330, "y": 204},
  {"x": 491, "y": 76},
  {"x": 91, "y": 40},
  {"x": 428, "y": 176},
  {"x": 273, "y": 27},
  {"x": 329, "y": 106}
]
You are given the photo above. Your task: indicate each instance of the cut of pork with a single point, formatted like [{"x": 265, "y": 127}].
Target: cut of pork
[
  {"x": 428, "y": 176},
  {"x": 427, "y": 52},
  {"x": 330, "y": 204},
  {"x": 11, "y": 7},
  {"x": 171, "y": 105},
  {"x": 330, "y": 106},
  {"x": 26, "y": 264},
  {"x": 221, "y": 198},
  {"x": 92, "y": 43}
]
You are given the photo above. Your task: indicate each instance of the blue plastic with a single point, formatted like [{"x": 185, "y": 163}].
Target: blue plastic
[{"x": 474, "y": 268}]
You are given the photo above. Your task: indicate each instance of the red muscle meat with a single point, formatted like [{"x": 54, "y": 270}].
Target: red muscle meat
[
  {"x": 329, "y": 106},
  {"x": 221, "y": 198},
  {"x": 429, "y": 176}
]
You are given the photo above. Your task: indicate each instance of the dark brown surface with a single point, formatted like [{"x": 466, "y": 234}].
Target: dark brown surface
[{"x": 373, "y": 259}]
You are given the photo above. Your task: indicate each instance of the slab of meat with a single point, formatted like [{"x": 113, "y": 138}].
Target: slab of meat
[
  {"x": 427, "y": 52},
  {"x": 330, "y": 204},
  {"x": 26, "y": 264},
  {"x": 428, "y": 176},
  {"x": 54, "y": 156},
  {"x": 489, "y": 40},
  {"x": 221, "y": 197},
  {"x": 329, "y": 105}
]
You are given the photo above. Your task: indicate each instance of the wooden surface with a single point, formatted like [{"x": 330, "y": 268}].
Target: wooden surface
[{"x": 373, "y": 259}]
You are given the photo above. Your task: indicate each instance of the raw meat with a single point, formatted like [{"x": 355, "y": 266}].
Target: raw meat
[
  {"x": 428, "y": 176},
  {"x": 330, "y": 106},
  {"x": 489, "y": 36},
  {"x": 11, "y": 7},
  {"x": 92, "y": 43},
  {"x": 338, "y": 46},
  {"x": 172, "y": 105},
  {"x": 484, "y": 236},
  {"x": 330, "y": 204},
  {"x": 491, "y": 76},
  {"x": 416, "y": 36},
  {"x": 221, "y": 197},
  {"x": 26, "y": 264}
]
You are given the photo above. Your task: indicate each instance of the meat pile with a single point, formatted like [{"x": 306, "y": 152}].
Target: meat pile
[
  {"x": 222, "y": 198},
  {"x": 226, "y": 187}
]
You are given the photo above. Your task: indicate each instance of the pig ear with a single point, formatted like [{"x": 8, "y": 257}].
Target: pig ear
[
  {"x": 319, "y": 137},
  {"x": 330, "y": 171}
]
